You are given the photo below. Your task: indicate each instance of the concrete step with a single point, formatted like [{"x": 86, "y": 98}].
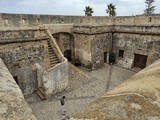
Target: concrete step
[
  {"x": 53, "y": 59},
  {"x": 52, "y": 56},
  {"x": 51, "y": 52},
  {"x": 51, "y": 63},
  {"x": 40, "y": 94}
]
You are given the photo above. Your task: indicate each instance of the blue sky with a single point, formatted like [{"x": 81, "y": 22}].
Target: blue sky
[{"x": 74, "y": 7}]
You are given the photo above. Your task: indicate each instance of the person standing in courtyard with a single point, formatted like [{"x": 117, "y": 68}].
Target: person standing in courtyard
[{"x": 62, "y": 100}]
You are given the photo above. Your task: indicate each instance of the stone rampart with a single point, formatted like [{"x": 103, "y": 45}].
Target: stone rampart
[
  {"x": 17, "y": 20},
  {"x": 12, "y": 103}
]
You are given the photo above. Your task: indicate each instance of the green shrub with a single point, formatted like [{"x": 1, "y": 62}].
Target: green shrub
[{"x": 89, "y": 65}]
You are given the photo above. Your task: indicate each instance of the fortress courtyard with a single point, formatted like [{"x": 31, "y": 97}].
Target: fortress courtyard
[{"x": 80, "y": 92}]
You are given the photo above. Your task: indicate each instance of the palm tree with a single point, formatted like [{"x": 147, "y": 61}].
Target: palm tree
[
  {"x": 88, "y": 11},
  {"x": 111, "y": 9}
]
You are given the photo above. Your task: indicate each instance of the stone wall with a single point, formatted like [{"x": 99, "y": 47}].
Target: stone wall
[
  {"x": 143, "y": 28},
  {"x": 143, "y": 40},
  {"x": 56, "y": 78},
  {"x": 91, "y": 42},
  {"x": 12, "y": 103},
  {"x": 82, "y": 48},
  {"x": 136, "y": 98},
  {"x": 17, "y": 20},
  {"x": 101, "y": 46},
  {"x": 20, "y": 50},
  {"x": 65, "y": 42}
]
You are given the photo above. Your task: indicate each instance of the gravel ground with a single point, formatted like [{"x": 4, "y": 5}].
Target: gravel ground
[{"x": 81, "y": 94}]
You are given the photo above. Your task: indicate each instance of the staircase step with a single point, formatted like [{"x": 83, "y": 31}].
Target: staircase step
[
  {"x": 50, "y": 48},
  {"x": 40, "y": 95},
  {"x": 51, "y": 63},
  {"x": 51, "y": 52},
  {"x": 52, "y": 56},
  {"x": 53, "y": 59},
  {"x": 42, "y": 90}
]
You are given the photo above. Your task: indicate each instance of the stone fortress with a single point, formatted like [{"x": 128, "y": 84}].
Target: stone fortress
[{"x": 36, "y": 49}]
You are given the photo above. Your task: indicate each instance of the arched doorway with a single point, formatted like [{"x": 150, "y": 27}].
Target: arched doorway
[
  {"x": 68, "y": 54},
  {"x": 65, "y": 41}
]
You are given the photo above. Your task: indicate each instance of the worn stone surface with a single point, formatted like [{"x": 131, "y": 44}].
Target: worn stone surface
[
  {"x": 84, "y": 87},
  {"x": 65, "y": 41},
  {"x": 136, "y": 98},
  {"x": 12, "y": 103},
  {"x": 89, "y": 39},
  {"x": 136, "y": 44},
  {"x": 20, "y": 56},
  {"x": 13, "y": 20}
]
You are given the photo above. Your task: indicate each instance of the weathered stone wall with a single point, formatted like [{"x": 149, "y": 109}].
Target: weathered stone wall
[
  {"x": 82, "y": 43},
  {"x": 142, "y": 40},
  {"x": 65, "y": 42},
  {"x": 56, "y": 78},
  {"x": 101, "y": 43},
  {"x": 84, "y": 29},
  {"x": 16, "y": 20},
  {"x": 136, "y": 98},
  {"x": 20, "y": 50},
  {"x": 91, "y": 42},
  {"x": 12, "y": 103},
  {"x": 59, "y": 28}
]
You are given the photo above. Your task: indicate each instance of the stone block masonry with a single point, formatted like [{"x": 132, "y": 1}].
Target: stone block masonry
[
  {"x": 20, "y": 50},
  {"x": 12, "y": 103}
]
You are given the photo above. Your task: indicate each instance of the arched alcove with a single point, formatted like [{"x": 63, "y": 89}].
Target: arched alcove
[{"x": 65, "y": 42}]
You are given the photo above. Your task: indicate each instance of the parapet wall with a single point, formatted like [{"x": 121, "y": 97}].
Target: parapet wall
[
  {"x": 16, "y": 20},
  {"x": 12, "y": 103}
]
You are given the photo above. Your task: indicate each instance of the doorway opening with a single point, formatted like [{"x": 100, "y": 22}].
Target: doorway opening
[
  {"x": 67, "y": 54},
  {"x": 105, "y": 57},
  {"x": 140, "y": 61},
  {"x": 16, "y": 79}
]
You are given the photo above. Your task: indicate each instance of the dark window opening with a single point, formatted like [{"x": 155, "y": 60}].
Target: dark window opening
[
  {"x": 16, "y": 79},
  {"x": 150, "y": 19},
  {"x": 121, "y": 53}
]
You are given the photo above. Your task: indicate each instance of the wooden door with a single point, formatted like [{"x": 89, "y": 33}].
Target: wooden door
[{"x": 140, "y": 61}]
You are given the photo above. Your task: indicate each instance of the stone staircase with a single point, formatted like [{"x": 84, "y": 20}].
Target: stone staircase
[
  {"x": 53, "y": 61},
  {"x": 41, "y": 93},
  {"x": 52, "y": 56}
]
